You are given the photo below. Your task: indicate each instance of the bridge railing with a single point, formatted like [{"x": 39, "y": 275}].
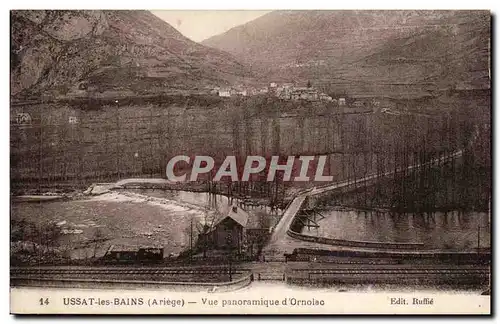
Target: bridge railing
[{"x": 320, "y": 189}]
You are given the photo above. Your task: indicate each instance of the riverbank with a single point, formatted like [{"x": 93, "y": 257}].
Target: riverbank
[{"x": 80, "y": 191}]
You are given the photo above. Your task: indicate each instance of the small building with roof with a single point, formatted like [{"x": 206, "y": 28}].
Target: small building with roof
[
  {"x": 229, "y": 229},
  {"x": 325, "y": 97},
  {"x": 358, "y": 104},
  {"x": 235, "y": 230},
  {"x": 225, "y": 92},
  {"x": 309, "y": 94}
]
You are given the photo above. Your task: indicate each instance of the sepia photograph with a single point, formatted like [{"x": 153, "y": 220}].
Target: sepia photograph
[{"x": 250, "y": 162}]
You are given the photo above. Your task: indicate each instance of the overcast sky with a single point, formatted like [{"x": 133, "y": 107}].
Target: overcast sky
[{"x": 200, "y": 25}]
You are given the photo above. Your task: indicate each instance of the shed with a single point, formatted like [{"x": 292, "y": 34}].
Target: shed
[{"x": 229, "y": 229}]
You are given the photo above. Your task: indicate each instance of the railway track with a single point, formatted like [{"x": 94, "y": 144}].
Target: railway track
[
  {"x": 129, "y": 277},
  {"x": 457, "y": 276},
  {"x": 399, "y": 271},
  {"x": 331, "y": 269},
  {"x": 117, "y": 271}
]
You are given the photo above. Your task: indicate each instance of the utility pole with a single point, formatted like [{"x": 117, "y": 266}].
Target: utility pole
[
  {"x": 151, "y": 141},
  {"x": 478, "y": 237},
  {"x": 40, "y": 165},
  {"x": 229, "y": 241},
  {"x": 230, "y": 268},
  {"x": 191, "y": 242},
  {"x": 117, "y": 139}
]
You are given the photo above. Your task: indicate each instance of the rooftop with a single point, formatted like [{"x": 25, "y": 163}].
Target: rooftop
[{"x": 234, "y": 212}]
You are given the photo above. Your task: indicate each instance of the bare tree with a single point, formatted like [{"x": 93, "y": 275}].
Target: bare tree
[{"x": 97, "y": 238}]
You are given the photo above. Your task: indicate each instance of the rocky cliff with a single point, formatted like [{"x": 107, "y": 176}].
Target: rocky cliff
[{"x": 99, "y": 53}]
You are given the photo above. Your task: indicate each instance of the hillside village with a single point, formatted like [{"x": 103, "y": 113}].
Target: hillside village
[{"x": 288, "y": 91}]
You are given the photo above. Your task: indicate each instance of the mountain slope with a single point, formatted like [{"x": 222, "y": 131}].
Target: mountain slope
[
  {"x": 119, "y": 52},
  {"x": 365, "y": 52}
]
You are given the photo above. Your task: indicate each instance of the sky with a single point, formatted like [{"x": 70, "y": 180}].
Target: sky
[{"x": 199, "y": 25}]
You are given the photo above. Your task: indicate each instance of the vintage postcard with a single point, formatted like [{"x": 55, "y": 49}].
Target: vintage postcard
[{"x": 250, "y": 162}]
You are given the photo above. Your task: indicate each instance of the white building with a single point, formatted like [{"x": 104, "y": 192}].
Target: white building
[
  {"x": 225, "y": 93},
  {"x": 341, "y": 101},
  {"x": 23, "y": 119},
  {"x": 215, "y": 91},
  {"x": 324, "y": 97}
]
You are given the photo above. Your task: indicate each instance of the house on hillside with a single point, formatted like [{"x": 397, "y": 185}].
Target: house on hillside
[
  {"x": 309, "y": 94},
  {"x": 215, "y": 91},
  {"x": 285, "y": 91},
  {"x": 251, "y": 91},
  {"x": 225, "y": 92},
  {"x": 342, "y": 102},
  {"x": 325, "y": 97}
]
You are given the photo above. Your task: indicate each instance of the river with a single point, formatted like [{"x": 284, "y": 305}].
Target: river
[{"x": 451, "y": 231}]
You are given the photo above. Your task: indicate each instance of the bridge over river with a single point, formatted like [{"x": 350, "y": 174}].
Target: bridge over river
[{"x": 284, "y": 241}]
